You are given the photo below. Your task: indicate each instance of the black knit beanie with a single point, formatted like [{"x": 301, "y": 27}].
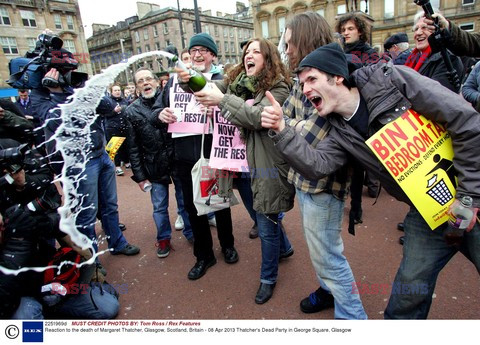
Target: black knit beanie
[{"x": 329, "y": 58}]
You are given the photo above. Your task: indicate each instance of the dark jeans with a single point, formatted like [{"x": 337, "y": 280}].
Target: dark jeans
[
  {"x": 425, "y": 253},
  {"x": 203, "y": 244}
]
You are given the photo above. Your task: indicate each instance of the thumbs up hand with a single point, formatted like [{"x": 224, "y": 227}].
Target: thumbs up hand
[{"x": 272, "y": 116}]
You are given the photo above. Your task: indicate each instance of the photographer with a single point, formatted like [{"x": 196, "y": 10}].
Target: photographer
[
  {"x": 13, "y": 125},
  {"x": 97, "y": 183},
  {"x": 29, "y": 225}
]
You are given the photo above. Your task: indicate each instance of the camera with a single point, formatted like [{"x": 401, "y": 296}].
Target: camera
[
  {"x": 12, "y": 159},
  {"x": 29, "y": 72}
]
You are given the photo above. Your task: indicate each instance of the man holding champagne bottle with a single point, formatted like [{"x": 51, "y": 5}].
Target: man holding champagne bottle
[{"x": 203, "y": 51}]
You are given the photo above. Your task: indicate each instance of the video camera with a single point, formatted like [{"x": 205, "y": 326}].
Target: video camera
[
  {"x": 29, "y": 72},
  {"x": 12, "y": 159}
]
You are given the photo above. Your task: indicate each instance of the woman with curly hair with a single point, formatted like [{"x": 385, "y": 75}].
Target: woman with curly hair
[{"x": 241, "y": 97}]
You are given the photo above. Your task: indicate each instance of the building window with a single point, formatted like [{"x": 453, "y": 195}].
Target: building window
[
  {"x": 32, "y": 42},
  {"x": 232, "y": 47},
  {"x": 167, "y": 43},
  {"x": 225, "y": 32},
  {"x": 165, "y": 28},
  {"x": 467, "y": 26},
  {"x": 9, "y": 45},
  {"x": 341, "y": 9},
  {"x": 226, "y": 46},
  {"x": 215, "y": 29},
  {"x": 4, "y": 17},
  {"x": 239, "y": 31},
  {"x": 58, "y": 21},
  {"x": 468, "y": 2},
  {"x": 69, "y": 45},
  {"x": 363, "y": 6},
  {"x": 145, "y": 34},
  {"x": 137, "y": 36},
  {"x": 265, "y": 29},
  {"x": 321, "y": 12},
  {"x": 207, "y": 29},
  {"x": 194, "y": 28},
  {"x": 389, "y": 11},
  {"x": 281, "y": 25},
  {"x": 147, "y": 47},
  {"x": 139, "y": 50},
  {"x": 28, "y": 18},
  {"x": 155, "y": 31},
  {"x": 157, "y": 46},
  {"x": 435, "y": 4},
  {"x": 218, "y": 46},
  {"x": 231, "y": 32},
  {"x": 70, "y": 24}
]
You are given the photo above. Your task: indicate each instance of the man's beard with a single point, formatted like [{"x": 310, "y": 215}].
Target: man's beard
[{"x": 151, "y": 95}]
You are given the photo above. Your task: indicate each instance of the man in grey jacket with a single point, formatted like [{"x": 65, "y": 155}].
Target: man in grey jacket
[{"x": 357, "y": 107}]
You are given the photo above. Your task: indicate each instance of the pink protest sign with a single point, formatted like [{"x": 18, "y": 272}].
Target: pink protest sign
[
  {"x": 228, "y": 150},
  {"x": 191, "y": 117}
]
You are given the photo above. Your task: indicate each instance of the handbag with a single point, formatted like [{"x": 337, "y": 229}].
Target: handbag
[{"x": 205, "y": 187}]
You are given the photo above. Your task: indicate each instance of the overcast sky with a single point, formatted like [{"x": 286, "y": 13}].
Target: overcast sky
[{"x": 113, "y": 11}]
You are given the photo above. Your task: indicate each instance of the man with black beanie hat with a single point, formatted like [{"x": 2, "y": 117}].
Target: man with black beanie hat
[{"x": 380, "y": 94}]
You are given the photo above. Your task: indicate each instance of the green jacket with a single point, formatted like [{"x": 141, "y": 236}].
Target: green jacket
[{"x": 271, "y": 191}]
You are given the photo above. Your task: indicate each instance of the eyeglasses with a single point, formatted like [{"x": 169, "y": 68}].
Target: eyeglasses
[
  {"x": 202, "y": 51},
  {"x": 142, "y": 81}
]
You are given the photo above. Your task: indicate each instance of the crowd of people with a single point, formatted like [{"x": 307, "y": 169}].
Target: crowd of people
[{"x": 307, "y": 121}]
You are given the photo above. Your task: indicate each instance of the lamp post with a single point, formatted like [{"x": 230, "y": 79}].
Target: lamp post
[{"x": 123, "y": 57}]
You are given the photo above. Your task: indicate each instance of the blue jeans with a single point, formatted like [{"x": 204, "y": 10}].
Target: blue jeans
[
  {"x": 322, "y": 225},
  {"x": 98, "y": 183},
  {"x": 425, "y": 253},
  {"x": 29, "y": 309},
  {"x": 244, "y": 186},
  {"x": 97, "y": 303},
  {"x": 273, "y": 241},
  {"x": 159, "y": 196}
]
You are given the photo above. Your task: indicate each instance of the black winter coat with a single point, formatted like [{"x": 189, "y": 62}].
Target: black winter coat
[{"x": 151, "y": 147}]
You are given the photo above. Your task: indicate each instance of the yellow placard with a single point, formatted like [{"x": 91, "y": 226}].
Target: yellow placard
[
  {"x": 113, "y": 146},
  {"x": 418, "y": 153}
]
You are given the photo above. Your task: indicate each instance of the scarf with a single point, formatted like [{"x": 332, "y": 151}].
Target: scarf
[
  {"x": 244, "y": 87},
  {"x": 417, "y": 58}
]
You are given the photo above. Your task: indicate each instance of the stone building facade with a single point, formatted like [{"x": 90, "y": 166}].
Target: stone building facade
[
  {"x": 388, "y": 16},
  {"x": 155, "y": 28}
]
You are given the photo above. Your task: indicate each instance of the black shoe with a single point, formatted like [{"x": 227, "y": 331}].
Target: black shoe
[
  {"x": 317, "y": 301},
  {"x": 122, "y": 227},
  {"x": 372, "y": 192},
  {"x": 230, "y": 255},
  {"x": 200, "y": 268},
  {"x": 129, "y": 249},
  {"x": 253, "y": 232},
  {"x": 401, "y": 227},
  {"x": 101, "y": 269},
  {"x": 287, "y": 254},
  {"x": 401, "y": 240},
  {"x": 264, "y": 293}
]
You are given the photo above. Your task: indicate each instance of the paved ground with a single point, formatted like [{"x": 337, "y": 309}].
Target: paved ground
[{"x": 159, "y": 288}]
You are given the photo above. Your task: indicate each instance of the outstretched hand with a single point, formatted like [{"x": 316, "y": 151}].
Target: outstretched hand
[
  {"x": 210, "y": 96},
  {"x": 272, "y": 116}
]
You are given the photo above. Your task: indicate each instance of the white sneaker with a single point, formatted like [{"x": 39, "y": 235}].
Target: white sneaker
[
  {"x": 179, "y": 225},
  {"x": 212, "y": 222},
  {"x": 119, "y": 171}
]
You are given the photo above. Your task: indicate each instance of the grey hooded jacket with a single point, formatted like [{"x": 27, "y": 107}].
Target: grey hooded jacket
[{"x": 389, "y": 91}]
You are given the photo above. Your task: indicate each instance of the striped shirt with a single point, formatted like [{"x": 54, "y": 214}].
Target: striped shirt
[{"x": 295, "y": 109}]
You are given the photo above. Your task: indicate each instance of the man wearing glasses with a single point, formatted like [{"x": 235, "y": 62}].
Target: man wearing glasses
[{"x": 203, "y": 51}]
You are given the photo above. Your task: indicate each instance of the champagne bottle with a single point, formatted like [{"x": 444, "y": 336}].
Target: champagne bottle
[
  {"x": 197, "y": 81},
  {"x": 459, "y": 219}
]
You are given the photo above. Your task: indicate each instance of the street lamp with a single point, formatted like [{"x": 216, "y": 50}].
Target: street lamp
[{"x": 123, "y": 57}]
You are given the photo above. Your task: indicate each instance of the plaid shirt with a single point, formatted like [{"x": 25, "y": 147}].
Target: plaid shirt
[{"x": 295, "y": 109}]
